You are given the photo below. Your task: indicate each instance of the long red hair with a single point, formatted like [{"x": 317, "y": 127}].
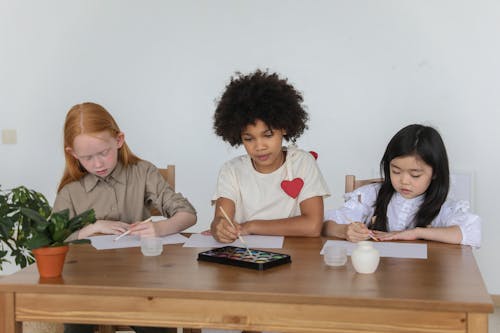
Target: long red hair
[{"x": 88, "y": 118}]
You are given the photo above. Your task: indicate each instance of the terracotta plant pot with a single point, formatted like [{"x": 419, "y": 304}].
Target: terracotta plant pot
[{"x": 50, "y": 260}]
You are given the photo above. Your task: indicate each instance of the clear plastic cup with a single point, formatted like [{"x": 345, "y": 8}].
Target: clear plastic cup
[
  {"x": 335, "y": 255},
  {"x": 151, "y": 246}
]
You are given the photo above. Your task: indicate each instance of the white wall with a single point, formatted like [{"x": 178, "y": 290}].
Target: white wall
[{"x": 366, "y": 69}]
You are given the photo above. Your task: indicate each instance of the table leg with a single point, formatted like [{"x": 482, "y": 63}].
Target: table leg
[
  {"x": 477, "y": 323},
  {"x": 8, "y": 322}
]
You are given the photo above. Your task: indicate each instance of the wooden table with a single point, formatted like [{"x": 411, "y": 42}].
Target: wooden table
[{"x": 444, "y": 293}]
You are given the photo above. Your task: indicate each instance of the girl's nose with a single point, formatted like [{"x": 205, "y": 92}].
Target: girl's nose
[
  {"x": 259, "y": 144},
  {"x": 98, "y": 162},
  {"x": 405, "y": 178}
]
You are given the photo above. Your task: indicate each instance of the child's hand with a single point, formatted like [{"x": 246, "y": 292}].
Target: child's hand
[
  {"x": 223, "y": 231},
  {"x": 244, "y": 228},
  {"x": 109, "y": 227},
  {"x": 357, "y": 231},
  {"x": 142, "y": 229},
  {"x": 410, "y": 234}
]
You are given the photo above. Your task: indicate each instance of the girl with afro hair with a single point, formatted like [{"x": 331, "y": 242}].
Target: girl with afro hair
[{"x": 271, "y": 190}]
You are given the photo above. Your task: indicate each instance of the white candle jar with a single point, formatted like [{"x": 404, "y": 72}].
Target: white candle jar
[{"x": 365, "y": 258}]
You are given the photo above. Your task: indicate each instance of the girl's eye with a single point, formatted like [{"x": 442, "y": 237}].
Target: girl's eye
[
  {"x": 269, "y": 134},
  {"x": 247, "y": 139},
  {"x": 395, "y": 172},
  {"x": 104, "y": 153},
  {"x": 416, "y": 176},
  {"x": 87, "y": 158}
]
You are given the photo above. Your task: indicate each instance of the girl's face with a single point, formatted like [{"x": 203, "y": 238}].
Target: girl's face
[
  {"x": 410, "y": 176},
  {"x": 97, "y": 153},
  {"x": 263, "y": 145}
]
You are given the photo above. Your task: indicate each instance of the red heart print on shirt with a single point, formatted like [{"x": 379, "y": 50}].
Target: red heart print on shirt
[
  {"x": 292, "y": 187},
  {"x": 314, "y": 154}
]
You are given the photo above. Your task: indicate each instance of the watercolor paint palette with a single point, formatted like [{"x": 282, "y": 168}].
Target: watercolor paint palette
[{"x": 239, "y": 256}]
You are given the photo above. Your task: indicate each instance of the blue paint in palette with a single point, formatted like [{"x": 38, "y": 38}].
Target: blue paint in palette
[{"x": 239, "y": 256}]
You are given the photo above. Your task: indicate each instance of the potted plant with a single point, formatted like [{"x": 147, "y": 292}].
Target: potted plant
[{"x": 28, "y": 227}]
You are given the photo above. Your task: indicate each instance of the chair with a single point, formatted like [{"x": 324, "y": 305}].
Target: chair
[
  {"x": 351, "y": 183},
  {"x": 169, "y": 175}
]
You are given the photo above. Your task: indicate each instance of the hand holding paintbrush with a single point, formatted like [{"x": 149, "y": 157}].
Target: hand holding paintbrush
[
  {"x": 131, "y": 229},
  {"x": 231, "y": 223},
  {"x": 360, "y": 227}
]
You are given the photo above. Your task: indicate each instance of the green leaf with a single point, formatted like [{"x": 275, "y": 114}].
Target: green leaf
[
  {"x": 81, "y": 220},
  {"x": 37, "y": 240},
  {"x": 40, "y": 223},
  {"x": 6, "y": 226},
  {"x": 21, "y": 259}
]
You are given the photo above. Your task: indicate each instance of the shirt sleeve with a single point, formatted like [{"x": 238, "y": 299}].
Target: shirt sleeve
[
  {"x": 457, "y": 213},
  {"x": 358, "y": 206},
  {"x": 226, "y": 184},
  {"x": 161, "y": 196},
  {"x": 62, "y": 202},
  {"x": 314, "y": 182}
]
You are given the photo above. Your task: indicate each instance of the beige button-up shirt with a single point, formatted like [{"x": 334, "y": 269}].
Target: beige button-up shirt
[{"x": 126, "y": 195}]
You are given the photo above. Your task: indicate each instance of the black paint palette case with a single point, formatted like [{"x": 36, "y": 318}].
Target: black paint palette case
[{"x": 239, "y": 256}]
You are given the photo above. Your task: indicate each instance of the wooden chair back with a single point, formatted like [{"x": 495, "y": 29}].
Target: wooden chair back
[
  {"x": 169, "y": 175},
  {"x": 351, "y": 183}
]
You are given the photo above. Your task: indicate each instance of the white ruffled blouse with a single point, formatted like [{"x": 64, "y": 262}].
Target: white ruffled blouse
[{"x": 360, "y": 206}]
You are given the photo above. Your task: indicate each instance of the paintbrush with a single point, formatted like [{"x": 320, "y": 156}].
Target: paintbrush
[
  {"x": 371, "y": 232},
  {"x": 231, "y": 222},
  {"x": 130, "y": 230}
]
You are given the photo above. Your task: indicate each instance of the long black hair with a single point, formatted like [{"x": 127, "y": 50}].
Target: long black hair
[{"x": 425, "y": 143}]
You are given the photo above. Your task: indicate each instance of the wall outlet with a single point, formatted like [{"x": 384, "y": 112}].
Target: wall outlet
[{"x": 9, "y": 136}]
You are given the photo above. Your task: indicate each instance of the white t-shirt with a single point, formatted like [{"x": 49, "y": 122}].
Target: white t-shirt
[
  {"x": 360, "y": 206},
  {"x": 259, "y": 196}
]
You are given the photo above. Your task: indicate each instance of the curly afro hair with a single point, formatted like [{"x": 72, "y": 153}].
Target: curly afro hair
[{"x": 263, "y": 96}]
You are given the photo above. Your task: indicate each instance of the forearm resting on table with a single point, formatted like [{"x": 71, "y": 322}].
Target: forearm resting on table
[
  {"x": 84, "y": 232},
  {"x": 307, "y": 226},
  {"x": 332, "y": 228},
  {"x": 452, "y": 235},
  {"x": 177, "y": 223}
]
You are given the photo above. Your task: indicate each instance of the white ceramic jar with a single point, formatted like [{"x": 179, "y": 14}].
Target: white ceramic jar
[{"x": 365, "y": 258}]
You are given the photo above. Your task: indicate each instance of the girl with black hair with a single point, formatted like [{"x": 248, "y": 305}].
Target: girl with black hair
[
  {"x": 271, "y": 190},
  {"x": 411, "y": 202}
]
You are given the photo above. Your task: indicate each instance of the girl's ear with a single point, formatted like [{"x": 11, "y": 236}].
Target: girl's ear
[
  {"x": 71, "y": 152},
  {"x": 120, "y": 139}
]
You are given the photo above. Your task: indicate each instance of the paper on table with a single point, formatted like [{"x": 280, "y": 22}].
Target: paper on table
[
  {"x": 387, "y": 249},
  {"x": 107, "y": 242},
  {"x": 253, "y": 241}
]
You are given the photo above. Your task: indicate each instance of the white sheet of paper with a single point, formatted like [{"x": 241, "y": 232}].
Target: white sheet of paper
[
  {"x": 387, "y": 249},
  {"x": 253, "y": 241},
  {"x": 106, "y": 242}
]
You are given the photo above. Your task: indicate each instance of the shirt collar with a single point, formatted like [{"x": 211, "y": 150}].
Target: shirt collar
[
  {"x": 413, "y": 201},
  {"x": 90, "y": 180}
]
